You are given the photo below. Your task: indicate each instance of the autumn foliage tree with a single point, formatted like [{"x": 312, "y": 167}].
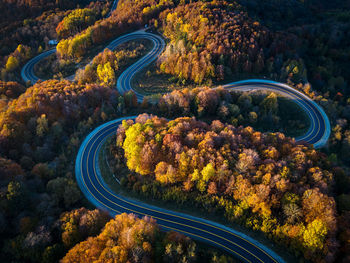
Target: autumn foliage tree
[
  {"x": 107, "y": 65},
  {"x": 208, "y": 40},
  {"x": 123, "y": 238},
  {"x": 265, "y": 181},
  {"x": 37, "y": 117},
  {"x": 11, "y": 89},
  {"x": 79, "y": 224},
  {"x": 263, "y": 111},
  {"x": 129, "y": 15},
  {"x": 127, "y": 238},
  {"x": 15, "y": 59},
  {"x": 75, "y": 22}
]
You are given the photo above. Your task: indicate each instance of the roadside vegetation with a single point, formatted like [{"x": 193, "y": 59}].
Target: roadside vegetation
[
  {"x": 127, "y": 17},
  {"x": 263, "y": 181},
  {"x": 108, "y": 65},
  {"x": 127, "y": 238},
  {"x": 34, "y": 33},
  {"x": 105, "y": 67},
  {"x": 263, "y": 111},
  {"x": 296, "y": 196}
]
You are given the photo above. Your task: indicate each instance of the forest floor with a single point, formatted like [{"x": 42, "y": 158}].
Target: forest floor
[{"x": 150, "y": 81}]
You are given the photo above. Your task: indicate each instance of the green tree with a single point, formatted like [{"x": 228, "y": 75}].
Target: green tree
[
  {"x": 42, "y": 125},
  {"x": 16, "y": 196},
  {"x": 76, "y": 21},
  {"x": 270, "y": 103}
]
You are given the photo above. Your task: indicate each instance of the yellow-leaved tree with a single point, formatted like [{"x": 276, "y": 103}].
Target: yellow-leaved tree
[
  {"x": 315, "y": 234},
  {"x": 12, "y": 63},
  {"x": 106, "y": 73}
]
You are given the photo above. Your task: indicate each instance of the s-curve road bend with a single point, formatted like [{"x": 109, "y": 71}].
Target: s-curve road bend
[
  {"x": 97, "y": 191},
  {"x": 91, "y": 183},
  {"x": 27, "y": 72},
  {"x": 320, "y": 128}
]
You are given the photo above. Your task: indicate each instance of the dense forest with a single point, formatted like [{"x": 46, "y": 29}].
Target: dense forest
[
  {"x": 41, "y": 130},
  {"x": 249, "y": 176},
  {"x": 260, "y": 110},
  {"x": 209, "y": 158},
  {"x": 129, "y": 16},
  {"x": 107, "y": 65},
  {"x": 207, "y": 39},
  {"x": 42, "y": 118},
  {"x": 19, "y": 10},
  {"x": 40, "y": 134},
  {"x": 19, "y": 41},
  {"x": 129, "y": 239}
]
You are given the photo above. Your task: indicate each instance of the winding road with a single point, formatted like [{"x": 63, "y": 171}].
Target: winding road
[
  {"x": 91, "y": 183},
  {"x": 27, "y": 72}
]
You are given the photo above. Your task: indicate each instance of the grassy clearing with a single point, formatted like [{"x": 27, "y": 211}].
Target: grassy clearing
[
  {"x": 49, "y": 68},
  {"x": 150, "y": 81},
  {"x": 293, "y": 120}
]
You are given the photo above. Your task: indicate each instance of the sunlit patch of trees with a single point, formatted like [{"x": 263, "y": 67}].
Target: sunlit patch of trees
[
  {"x": 265, "y": 181},
  {"x": 75, "y": 22},
  {"x": 47, "y": 113},
  {"x": 15, "y": 60},
  {"x": 128, "y": 16},
  {"x": 107, "y": 65},
  {"x": 210, "y": 39},
  {"x": 79, "y": 224},
  {"x": 260, "y": 110},
  {"x": 127, "y": 238}
]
